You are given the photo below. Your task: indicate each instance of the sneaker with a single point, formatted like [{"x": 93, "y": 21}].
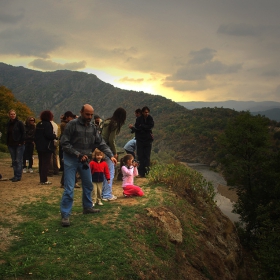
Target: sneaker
[
  {"x": 99, "y": 203},
  {"x": 109, "y": 199},
  {"x": 91, "y": 210},
  {"x": 65, "y": 222},
  {"x": 112, "y": 198},
  {"x": 46, "y": 183},
  {"x": 24, "y": 170},
  {"x": 30, "y": 170}
]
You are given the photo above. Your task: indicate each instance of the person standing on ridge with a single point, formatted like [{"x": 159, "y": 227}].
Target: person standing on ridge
[
  {"x": 15, "y": 143},
  {"x": 44, "y": 141},
  {"x": 78, "y": 140},
  {"x": 144, "y": 139},
  {"x": 30, "y": 128},
  {"x": 111, "y": 128}
]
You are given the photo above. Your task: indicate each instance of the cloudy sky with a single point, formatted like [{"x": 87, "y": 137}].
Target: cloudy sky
[{"x": 185, "y": 50}]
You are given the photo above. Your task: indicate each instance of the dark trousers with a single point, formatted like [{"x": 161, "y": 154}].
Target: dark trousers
[
  {"x": 44, "y": 165},
  {"x": 28, "y": 155},
  {"x": 143, "y": 156}
]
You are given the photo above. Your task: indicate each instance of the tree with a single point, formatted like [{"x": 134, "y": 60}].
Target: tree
[
  {"x": 8, "y": 102},
  {"x": 251, "y": 164},
  {"x": 245, "y": 144}
]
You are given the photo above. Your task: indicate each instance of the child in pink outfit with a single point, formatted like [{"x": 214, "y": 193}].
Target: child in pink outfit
[{"x": 129, "y": 171}]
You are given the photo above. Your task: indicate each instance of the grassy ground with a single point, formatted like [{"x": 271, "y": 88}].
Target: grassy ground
[{"x": 120, "y": 242}]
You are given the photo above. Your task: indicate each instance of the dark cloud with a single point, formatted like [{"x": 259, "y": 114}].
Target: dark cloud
[
  {"x": 201, "y": 56},
  {"x": 29, "y": 42},
  {"x": 271, "y": 73},
  {"x": 201, "y": 71},
  {"x": 240, "y": 29},
  {"x": 10, "y": 18},
  {"x": 49, "y": 65}
]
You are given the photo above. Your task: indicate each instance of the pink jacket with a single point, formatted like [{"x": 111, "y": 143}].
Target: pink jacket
[{"x": 128, "y": 174}]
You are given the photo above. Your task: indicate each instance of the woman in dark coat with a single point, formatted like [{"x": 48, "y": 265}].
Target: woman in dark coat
[
  {"x": 29, "y": 144},
  {"x": 44, "y": 137}
]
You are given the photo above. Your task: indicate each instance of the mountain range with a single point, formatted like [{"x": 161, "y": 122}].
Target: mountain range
[
  {"x": 180, "y": 133},
  {"x": 270, "y": 109}
]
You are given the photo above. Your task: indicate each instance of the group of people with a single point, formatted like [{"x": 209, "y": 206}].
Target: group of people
[{"x": 87, "y": 147}]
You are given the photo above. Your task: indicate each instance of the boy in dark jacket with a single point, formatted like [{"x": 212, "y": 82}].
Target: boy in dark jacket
[{"x": 99, "y": 169}]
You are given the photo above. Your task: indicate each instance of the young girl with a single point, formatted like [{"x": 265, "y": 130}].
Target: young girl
[
  {"x": 99, "y": 170},
  {"x": 129, "y": 170}
]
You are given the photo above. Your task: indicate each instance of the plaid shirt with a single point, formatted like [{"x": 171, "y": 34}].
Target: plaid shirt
[{"x": 79, "y": 139}]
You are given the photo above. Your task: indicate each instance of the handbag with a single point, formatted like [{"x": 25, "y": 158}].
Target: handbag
[{"x": 51, "y": 146}]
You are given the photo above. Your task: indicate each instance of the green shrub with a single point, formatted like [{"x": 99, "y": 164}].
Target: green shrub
[
  {"x": 3, "y": 148},
  {"x": 183, "y": 180}
]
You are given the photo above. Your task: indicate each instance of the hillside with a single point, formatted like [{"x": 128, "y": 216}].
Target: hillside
[
  {"x": 251, "y": 106},
  {"x": 166, "y": 234},
  {"x": 273, "y": 114},
  {"x": 187, "y": 135},
  {"x": 64, "y": 90}
]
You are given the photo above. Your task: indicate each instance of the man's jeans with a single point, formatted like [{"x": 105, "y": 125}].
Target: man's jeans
[
  {"x": 107, "y": 188},
  {"x": 71, "y": 166},
  {"x": 17, "y": 158}
]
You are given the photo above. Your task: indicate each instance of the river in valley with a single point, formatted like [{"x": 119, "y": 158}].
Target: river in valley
[{"x": 222, "y": 202}]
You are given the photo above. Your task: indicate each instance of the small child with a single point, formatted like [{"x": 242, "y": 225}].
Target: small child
[
  {"x": 129, "y": 170},
  {"x": 99, "y": 169}
]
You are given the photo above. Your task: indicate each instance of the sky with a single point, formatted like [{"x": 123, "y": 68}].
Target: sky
[{"x": 184, "y": 50}]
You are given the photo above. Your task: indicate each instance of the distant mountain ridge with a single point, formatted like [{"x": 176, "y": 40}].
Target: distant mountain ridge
[
  {"x": 186, "y": 135},
  {"x": 64, "y": 90},
  {"x": 270, "y": 109}
]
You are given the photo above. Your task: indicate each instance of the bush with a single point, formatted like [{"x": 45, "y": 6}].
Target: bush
[
  {"x": 3, "y": 148},
  {"x": 183, "y": 180}
]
